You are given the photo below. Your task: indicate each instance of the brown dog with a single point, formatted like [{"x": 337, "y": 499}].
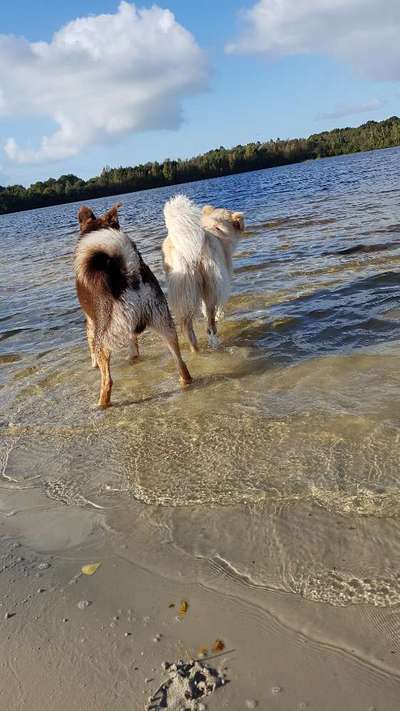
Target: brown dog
[{"x": 119, "y": 295}]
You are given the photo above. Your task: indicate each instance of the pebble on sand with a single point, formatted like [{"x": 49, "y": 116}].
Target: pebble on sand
[
  {"x": 83, "y": 604},
  {"x": 44, "y": 565},
  {"x": 251, "y": 704}
]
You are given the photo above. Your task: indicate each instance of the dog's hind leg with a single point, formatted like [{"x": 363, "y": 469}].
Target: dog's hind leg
[
  {"x": 171, "y": 340},
  {"x": 213, "y": 340},
  {"x": 133, "y": 348},
  {"x": 103, "y": 359},
  {"x": 188, "y": 330},
  {"x": 90, "y": 337}
]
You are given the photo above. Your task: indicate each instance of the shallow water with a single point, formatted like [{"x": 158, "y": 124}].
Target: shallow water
[{"x": 278, "y": 469}]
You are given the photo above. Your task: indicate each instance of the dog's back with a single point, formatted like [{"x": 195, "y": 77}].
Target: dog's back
[
  {"x": 116, "y": 289},
  {"x": 185, "y": 234},
  {"x": 107, "y": 265},
  {"x": 197, "y": 257},
  {"x": 101, "y": 262}
]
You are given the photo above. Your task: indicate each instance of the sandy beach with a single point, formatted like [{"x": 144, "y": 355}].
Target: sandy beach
[{"x": 90, "y": 643}]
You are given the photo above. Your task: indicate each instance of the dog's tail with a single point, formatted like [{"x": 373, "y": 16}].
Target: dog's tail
[
  {"x": 101, "y": 261},
  {"x": 183, "y": 221}
]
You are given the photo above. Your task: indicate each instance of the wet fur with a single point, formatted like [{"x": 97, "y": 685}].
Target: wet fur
[
  {"x": 119, "y": 295},
  {"x": 197, "y": 256}
]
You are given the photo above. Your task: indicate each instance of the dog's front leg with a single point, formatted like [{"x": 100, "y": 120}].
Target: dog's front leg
[{"x": 133, "y": 348}]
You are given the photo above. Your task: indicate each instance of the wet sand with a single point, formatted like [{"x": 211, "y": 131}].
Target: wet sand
[{"x": 281, "y": 651}]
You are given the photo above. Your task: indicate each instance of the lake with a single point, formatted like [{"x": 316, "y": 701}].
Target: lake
[{"x": 278, "y": 471}]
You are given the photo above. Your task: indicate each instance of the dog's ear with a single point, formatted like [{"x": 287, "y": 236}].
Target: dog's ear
[
  {"x": 208, "y": 209},
  {"x": 87, "y": 219},
  {"x": 110, "y": 218},
  {"x": 238, "y": 220}
]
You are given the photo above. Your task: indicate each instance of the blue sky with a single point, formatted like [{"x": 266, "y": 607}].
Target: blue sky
[{"x": 270, "y": 84}]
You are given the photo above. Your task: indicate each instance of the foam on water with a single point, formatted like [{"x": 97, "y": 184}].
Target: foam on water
[{"x": 341, "y": 589}]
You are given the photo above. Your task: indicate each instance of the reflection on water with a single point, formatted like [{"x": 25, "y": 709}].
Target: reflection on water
[{"x": 280, "y": 465}]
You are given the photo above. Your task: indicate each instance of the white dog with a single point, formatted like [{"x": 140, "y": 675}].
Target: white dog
[{"x": 198, "y": 261}]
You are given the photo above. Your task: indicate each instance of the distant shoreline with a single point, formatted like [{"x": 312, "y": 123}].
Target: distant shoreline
[{"x": 216, "y": 163}]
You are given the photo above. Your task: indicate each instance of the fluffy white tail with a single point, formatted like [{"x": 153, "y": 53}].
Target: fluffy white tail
[{"x": 183, "y": 221}]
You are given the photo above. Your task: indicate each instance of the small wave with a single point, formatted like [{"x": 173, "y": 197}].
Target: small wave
[
  {"x": 4, "y": 335},
  {"x": 342, "y": 589},
  {"x": 364, "y": 502},
  {"x": 67, "y": 493},
  {"x": 362, "y": 248},
  {"x": 334, "y": 587},
  {"x": 10, "y": 358}
]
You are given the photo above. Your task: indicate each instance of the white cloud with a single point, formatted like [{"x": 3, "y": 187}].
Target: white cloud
[
  {"x": 362, "y": 33},
  {"x": 99, "y": 78},
  {"x": 350, "y": 109}
]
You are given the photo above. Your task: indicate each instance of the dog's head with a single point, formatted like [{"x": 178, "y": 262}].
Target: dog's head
[
  {"x": 88, "y": 222},
  {"x": 230, "y": 224}
]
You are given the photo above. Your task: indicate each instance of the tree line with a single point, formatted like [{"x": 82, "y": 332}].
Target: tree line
[{"x": 215, "y": 163}]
